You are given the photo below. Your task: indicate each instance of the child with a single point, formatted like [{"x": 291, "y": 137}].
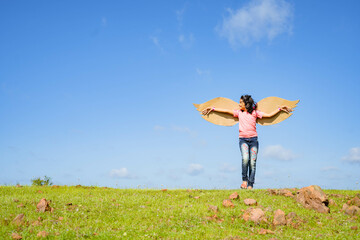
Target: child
[{"x": 248, "y": 141}]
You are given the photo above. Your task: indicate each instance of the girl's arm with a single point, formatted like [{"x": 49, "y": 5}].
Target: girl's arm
[
  {"x": 206, "y": 111},
  {"x": 282, "y": 108}
]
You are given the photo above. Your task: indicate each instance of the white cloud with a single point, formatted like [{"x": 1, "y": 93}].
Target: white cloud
[
  {"x": 175, "y": 128},
  {"x": 186, "y": 41},
  {"x": 329, "y": 168},
  {"x": 180, "y": 15},
  {"x": 353, "y": 156},
  {"x": 201, "y": 72},
  {"x": 184, "y": 129},
  {"x": 195, "y": 169},
  {"x": 228, "y": 168},
  {"x": 278, "y": 152},
  {"x": 257, "y": 20},
  {"x": 156, "y": 42},
  {"x": 120, "y": 173},
  {"x": 158, "y": 128}
]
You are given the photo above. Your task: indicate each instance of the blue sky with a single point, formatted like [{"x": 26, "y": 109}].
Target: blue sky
[{"x": 101, "y": 92}]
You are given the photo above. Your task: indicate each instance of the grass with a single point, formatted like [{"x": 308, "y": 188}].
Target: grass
[{"x": 106, "y": 213}]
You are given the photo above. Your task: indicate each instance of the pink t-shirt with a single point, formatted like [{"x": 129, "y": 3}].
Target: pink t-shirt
[{"x": 247, "y": 123}]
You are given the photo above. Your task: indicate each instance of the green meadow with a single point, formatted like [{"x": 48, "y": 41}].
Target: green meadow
[{"x": 80, "y": 212}]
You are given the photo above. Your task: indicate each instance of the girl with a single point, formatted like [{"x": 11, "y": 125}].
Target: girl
[{"x": 248, "y": 141}]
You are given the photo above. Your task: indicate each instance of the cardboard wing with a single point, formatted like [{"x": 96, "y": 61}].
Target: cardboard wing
[
  {"x": 269, "y": 104},
  {"x": 266, "y": 105},
  {"x": 217, "y": 118}
]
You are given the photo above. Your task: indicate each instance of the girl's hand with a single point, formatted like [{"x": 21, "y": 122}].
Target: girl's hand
[
  {"x": 206, "y": 111},
  {"x": 286, "y": 109}
]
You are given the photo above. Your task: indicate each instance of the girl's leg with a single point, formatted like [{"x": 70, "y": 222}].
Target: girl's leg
[
  {"x": 254, "y": 147},
  {"x": 244, "y": 148}
]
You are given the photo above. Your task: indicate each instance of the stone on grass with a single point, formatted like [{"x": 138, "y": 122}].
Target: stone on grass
[
  {"x": 332, "y": 202},
  {"x": 313, "y": 197},
  {"x": 285, "y": 192},
  {"x": 250, "y": 202},
  {"x": 16, "y": 236},
  {"x": 213, "y": 208},
  {"x": 42, "y": 234},
  {"x": 19, "y": 219},
  {"x": 255, "y": 215},
  {"x": 228, "y": 203},
  {"x": 279, "y": 218},
  {"x": 43, "y": 206},
  {"x": 291, "y": 215},
  {"x": 234, "y": 195},
  {"x": 289, "y": 218},
  {"x": 263, "y": 231},
  {"x": 355, "y": 201},
  {"x": 344, "y": 207},
  {"x": 352, "y": 211},
  {"x": 281, "y": 192},
  {"x": 36, "y": 223}
]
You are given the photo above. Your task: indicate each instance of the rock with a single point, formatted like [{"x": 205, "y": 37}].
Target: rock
[
  {"x": 228, "y": 203},
  {"x": 291, "y": 215},
  {"x": 19, "y": 219},
  {"x": 213, "y": 208},
  {"x": 285, "y": 192},
  {"x": 234, "y": 195},
  {"x": 336, "y": 195},
  {"x": 332, "y": 202},
  {"x": 263, "y": 231},
  {"x": 313, "y": 197},
  {"x": 344, "y": 207},
  {"x": 36, "y": 223},
  {"x": 352, "y": 211},
  {"x": 214, "y": 218},
  {"x": 250, "y": 202},
  {"x": 42, "y": 234},
  {"x": 255, "y": 215},
  {"x": 281, "y": 192},
  {"x": 279, "y": 218},
  {"x": 43, "y": 206},
  {"x": 16, "y": 236},
  {"x": 355, "y": 201},
  {"x": 272, "y": 191}
]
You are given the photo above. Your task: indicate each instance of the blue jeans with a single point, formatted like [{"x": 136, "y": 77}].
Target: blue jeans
[{"x": 249, "y": 149}]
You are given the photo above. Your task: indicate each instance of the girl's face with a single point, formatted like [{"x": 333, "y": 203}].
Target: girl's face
[{"x": 242, "y": 105}]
